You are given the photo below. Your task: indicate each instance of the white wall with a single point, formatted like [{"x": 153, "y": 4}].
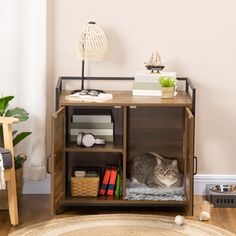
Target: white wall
[{"x": 197, "y": 38}]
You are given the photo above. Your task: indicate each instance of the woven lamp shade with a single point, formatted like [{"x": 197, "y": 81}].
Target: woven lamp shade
[{"x": 93, "y": 44}]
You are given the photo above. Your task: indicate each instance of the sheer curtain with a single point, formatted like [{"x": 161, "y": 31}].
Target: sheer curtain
[{"x": 23, "y": 73}]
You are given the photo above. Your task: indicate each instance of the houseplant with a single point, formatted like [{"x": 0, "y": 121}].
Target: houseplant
[
  {"x": 167, "y": 86},
  {"x": 22, "y": 115}
]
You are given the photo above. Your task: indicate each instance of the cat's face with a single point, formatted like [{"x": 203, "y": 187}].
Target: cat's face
[{"x": 167, "y": 171}]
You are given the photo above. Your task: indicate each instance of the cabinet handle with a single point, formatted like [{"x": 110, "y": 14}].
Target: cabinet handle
[
  {"x": 133, "y": 107},
  {"x": 117, "y": 107},
  {"x": 195, "y": 166},
  {"x": 48, "y": 165}
]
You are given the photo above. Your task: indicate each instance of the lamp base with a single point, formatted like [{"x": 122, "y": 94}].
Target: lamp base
[{"x": 91, "y": 92}]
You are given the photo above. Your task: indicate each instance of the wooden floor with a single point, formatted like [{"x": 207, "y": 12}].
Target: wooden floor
[{"x": 35, "y": 208}]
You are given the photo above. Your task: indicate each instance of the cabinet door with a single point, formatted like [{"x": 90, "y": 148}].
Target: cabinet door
[
  {"x": 188, "y": 155},
  {"x": 58, "y": 159}
]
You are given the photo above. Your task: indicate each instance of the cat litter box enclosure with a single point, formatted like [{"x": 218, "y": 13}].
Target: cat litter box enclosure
[
  {"x": 139, "y": 125},
  {"x": 222, "y": 195}
]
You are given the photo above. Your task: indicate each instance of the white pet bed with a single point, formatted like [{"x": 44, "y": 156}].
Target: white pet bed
[{"x": 138, "y": 191}]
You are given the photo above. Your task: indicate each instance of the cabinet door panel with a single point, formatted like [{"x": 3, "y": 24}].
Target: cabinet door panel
[
  {"x": 58, "y": 159},
  {"x": 156, "y": 129},
  {"x": 188, "y": 155}
]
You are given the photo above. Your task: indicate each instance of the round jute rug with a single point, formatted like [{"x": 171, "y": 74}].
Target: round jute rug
[{"x": 122, "y": 225}]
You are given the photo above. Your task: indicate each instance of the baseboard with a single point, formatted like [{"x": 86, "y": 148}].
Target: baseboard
[
  {"x": 200, "y": 182},
  {"x": 37, "y": 187}
]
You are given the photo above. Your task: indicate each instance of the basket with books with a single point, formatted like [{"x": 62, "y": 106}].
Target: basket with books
[{"x": 85, "y": 182}]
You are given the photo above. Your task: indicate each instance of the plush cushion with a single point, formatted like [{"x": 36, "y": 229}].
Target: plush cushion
[{"x": 6, "y": 155}]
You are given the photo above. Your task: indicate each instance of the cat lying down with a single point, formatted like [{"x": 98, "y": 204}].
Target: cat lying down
[{"x": 155, "y": 171}]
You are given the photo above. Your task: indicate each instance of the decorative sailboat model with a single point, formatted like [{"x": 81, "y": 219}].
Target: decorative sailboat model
[{"x": 154, "y": 63}]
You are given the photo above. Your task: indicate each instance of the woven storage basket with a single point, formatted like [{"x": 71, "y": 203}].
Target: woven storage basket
[{"x": 84, "y": 186}]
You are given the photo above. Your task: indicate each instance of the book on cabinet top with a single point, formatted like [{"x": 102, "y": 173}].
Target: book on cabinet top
[{"x": 148, "y": 76}]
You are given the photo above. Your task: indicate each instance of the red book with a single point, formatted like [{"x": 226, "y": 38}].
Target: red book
[
  {"x": 105, "y": 181},
  {"x": 112, "y": 182}
]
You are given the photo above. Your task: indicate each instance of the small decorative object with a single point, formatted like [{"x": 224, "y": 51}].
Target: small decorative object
[
  {"x": 92, "y": 46},
  {"x": 154, "y": 63},
  {"x": 205, "y": 214},
  {"x": 179, "y": 220},
  {"x": 168, "y": 86}
]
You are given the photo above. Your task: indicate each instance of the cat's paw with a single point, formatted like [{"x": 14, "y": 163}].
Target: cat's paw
[{"x": 152, "y": 185}]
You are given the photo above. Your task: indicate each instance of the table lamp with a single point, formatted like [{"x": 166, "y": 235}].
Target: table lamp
[{"x": 92, "y": 46}]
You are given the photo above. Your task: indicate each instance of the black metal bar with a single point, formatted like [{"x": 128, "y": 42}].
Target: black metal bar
[
  {"x": 193, "y": 97},
  {"x": 195, "y": 169},
  {"x": 82, "y": 78},
  {"x": 189, "y": 84},
  {"x": 58, "y": 91},
  {"x": 59, "y": 86}
]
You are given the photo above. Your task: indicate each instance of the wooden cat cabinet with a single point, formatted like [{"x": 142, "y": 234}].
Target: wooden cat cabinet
[{"x": 141, "y": 124}]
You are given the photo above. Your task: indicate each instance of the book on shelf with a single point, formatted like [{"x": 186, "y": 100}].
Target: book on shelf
[
  {"x": 148, "y": 76},
  {"x": 87, "y": 125},
  {"x": 112, "y": 181},
  {"x": 118, "y": 190},
  {"x": 105, "y": 181},
  {"x": 92, "y": 119},
  {"x": 146, "y": 86},
  {"x": 101, "y": 97},
  {"x": 142, "y": 92}
]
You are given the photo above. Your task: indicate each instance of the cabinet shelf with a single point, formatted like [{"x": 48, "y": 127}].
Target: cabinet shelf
[
  {"x": 109, "y": 147},
  {"x": 113, "y": 201}
]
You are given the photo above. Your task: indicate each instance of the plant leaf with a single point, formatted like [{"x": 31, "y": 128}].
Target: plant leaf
[
  {"x": 20, "y": 137},
  {"x": 19, "y": 113},
  {"x": 19, "y": 160},
  {"x": 4, "y": 104}
]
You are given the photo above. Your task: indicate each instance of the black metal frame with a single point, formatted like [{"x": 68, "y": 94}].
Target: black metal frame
[{"x": 188, "y": 86}]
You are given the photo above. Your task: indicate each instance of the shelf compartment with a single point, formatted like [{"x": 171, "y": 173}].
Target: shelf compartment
[
  {"x": 113, "y": 201},
  {"x": 115, "y": 147}
]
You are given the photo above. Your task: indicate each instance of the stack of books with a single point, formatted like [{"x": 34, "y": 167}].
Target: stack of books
[
  {"x": 147, "y": 83},
  {"x": 112, "y": 182},
  {"x": 100, "y": 125}
]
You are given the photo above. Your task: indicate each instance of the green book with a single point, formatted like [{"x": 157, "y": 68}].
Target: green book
[{"x": 118, "y": 191}]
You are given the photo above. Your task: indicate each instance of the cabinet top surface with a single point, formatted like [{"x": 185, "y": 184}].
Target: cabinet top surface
[{"x": 125, "y": 98}]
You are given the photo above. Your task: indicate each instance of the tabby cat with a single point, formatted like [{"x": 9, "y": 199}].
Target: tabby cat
[{"x": 155, "y": 171}]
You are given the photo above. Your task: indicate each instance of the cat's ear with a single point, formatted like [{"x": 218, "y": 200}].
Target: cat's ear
[
  {"x": 159, "y": 162},
  {"x": 174, "y": 163}
]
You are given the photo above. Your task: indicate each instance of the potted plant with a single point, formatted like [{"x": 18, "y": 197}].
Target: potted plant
[
  {"x": 22, "y": 115},
  {"x": 167, "y": 86}
]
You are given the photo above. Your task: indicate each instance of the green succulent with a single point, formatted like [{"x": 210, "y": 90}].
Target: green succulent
[
  {"x": 167, "y": 81},
  {"x": 22, "y": 115}
]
